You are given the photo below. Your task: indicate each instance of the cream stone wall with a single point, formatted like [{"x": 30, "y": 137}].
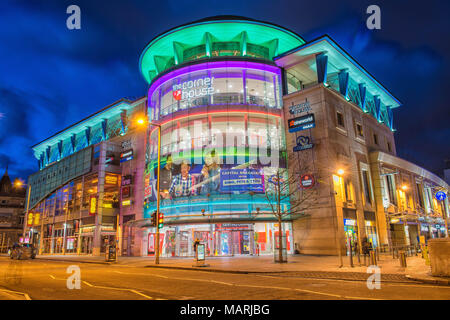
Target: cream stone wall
[{"x": 335, "y": 147}]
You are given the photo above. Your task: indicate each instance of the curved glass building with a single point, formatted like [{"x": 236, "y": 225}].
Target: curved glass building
[{"x": 216, "y": 93}]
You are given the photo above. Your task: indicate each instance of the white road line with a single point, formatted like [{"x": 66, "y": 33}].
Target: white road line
[
  {"x": 27, "y": 297},
  {"x": 255, "y": 286},
  {"x": 356, "y": 281}
]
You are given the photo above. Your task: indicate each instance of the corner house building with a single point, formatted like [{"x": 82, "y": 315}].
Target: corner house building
[{"x": 247, "y": 112}]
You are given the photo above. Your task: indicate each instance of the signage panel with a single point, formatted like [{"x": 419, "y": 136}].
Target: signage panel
[
  {"x": 300, "y": 108},
  {"x": 440, "y": 195},
  {"x": 307, "y": 181},
  {"x": 301, "y": 123},
  {"x": 303, "y": 143},
  {"x": 126, "y": 155},
  {"x": 241, "y": 180}
]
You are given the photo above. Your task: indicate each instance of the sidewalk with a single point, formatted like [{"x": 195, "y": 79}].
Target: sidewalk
[{"x": 297, "y": 265}]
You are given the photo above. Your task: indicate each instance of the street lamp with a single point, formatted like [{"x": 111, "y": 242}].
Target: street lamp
[
  {"x": 340, "y": 172},
  {"x": 142, "y": 121}
]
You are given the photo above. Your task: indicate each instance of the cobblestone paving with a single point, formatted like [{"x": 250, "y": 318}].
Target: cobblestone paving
[{"x": 357, "y": 276}]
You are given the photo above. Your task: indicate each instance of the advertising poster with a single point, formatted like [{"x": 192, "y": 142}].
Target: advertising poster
[{"x": 241, "y": 180}]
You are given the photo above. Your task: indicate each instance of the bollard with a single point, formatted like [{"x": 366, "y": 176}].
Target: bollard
[
  {"x": 373, "y": 258},
  {"x": 402, "y": 257}
]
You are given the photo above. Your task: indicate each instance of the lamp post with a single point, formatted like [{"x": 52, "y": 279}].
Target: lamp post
[
  {"x": 141, "y": 122},
  {"x": 19, "y": 184}
]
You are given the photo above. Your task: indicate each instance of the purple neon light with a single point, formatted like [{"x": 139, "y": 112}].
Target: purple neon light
[{"x": 212, "y": 65}]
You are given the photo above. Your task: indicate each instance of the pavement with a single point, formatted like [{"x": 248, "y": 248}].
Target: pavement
[{"x": 307, "y": 266}]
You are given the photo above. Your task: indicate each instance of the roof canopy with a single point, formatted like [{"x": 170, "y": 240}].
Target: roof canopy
[
  {"x": 168, "y": 49},
  {"x": 338, "y": 60}
]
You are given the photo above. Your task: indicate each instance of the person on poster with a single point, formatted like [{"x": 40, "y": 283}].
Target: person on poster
[
  {"x": 166, "y": 178},
  {"x": 183, "y": 183},
  {"x": 210, "y": 170}
]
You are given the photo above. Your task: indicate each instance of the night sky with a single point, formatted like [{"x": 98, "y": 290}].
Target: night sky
[{"x": 51, "y": 77}]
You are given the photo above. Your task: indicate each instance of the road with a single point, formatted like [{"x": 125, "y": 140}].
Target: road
[{"x": 47, "y": 280}]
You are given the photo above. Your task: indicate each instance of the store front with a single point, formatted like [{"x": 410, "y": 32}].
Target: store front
[
  {"x": 351, "y": 235},
  {"x": 227, "y": 239}
]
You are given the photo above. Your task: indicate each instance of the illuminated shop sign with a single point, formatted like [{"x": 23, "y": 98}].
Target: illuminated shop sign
[
  {"x": 307, "y": 181},
  {"x": 440, "y": 195},
  {"x": 127, "y": 180},
  {"x": 126, "y": 202},
  {"x": 369, "y": 223},
  {"x": 193, "y": 88},
  {"x": 126, "y": 156},
  {"x": 30, "y": 219},
  {"x": 349, "y": 222},
  {"x": 111, "y": 180},
  {"x": 300, "y": 108},
  {"x": 241, "y": 180},
  {"x": 93, "y": 205},
  {"x": 126, "y": 192},
  {"x": 301, "y": 123},
  {"x": 303, "y": 143}
]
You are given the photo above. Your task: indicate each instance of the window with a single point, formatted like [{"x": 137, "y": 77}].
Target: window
[
  {"x": 420, "y": 195},
  {"x": 367, "y": 191},
  {"x": 359, "y": 130},
  {"x": 389, "y": 147},
  {"x": 375, "y": 138},
  {"x": 340, "y": 119},
  {"x": 390, "y": 187}
]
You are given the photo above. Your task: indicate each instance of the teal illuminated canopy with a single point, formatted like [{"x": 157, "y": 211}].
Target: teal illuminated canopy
[
  {"x": 337, "y": 60},
  {"x": 218, "y": 36}
]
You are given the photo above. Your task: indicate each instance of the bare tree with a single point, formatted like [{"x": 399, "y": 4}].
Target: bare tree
[{"x": 286, "y": 197}]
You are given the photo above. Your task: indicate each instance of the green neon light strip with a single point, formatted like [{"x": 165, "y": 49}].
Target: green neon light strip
[{"x": 169, "y": 44}]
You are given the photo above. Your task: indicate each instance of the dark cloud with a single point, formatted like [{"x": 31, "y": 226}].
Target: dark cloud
[{"x": 52, "y": 77}]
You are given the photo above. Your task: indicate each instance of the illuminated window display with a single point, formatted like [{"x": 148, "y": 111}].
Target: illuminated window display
[
  {"x": 222, "y": 139},
  {"x": 218, "y": 83}
]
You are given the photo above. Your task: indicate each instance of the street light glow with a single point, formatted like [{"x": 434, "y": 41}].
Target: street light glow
[
  {"x": 140, "y": 121},
  {"x": 340, "y": 172}
]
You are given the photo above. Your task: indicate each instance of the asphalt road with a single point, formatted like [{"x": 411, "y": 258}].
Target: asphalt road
[{"x": 47, "y": 280}]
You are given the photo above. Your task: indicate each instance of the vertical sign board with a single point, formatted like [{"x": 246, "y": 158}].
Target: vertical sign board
[
  {"x": 200, "y": 252},
  {"x": 93, "y": 205}
]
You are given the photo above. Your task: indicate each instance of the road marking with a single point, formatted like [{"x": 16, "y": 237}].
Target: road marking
[
  {"x": 120, "y": 289},
  {"x": 355, "y": 281},
  {"x": 254, "y": 286},
  {"x": 27, "y": 297}
]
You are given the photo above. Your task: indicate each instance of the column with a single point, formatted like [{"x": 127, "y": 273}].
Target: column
[{"x": 100, "y": 190}]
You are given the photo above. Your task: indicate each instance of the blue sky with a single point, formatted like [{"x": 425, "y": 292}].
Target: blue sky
[{"x": 51, "y": 77}]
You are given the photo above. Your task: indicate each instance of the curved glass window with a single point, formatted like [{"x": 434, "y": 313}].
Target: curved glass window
[{"x": 216, "y": 86}]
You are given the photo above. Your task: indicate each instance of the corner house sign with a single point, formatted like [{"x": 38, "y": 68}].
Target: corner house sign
[
  {"x": 301, "y": 123},
  {"x": 307, "y": 181},
  {"x": 193, "y": 88}
]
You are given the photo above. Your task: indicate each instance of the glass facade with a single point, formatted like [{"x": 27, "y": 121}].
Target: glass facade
[
  {"x": 216, "y": 84},
  {"x": 222, "y": 142}
]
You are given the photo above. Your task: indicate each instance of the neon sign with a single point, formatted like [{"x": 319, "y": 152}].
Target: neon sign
[{"x": 193, "y": 88}]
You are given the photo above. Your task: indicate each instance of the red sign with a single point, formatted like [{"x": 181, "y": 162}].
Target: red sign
[
  {"x": 307, "y": 181},
  {"x": 177, "y": 95}
]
